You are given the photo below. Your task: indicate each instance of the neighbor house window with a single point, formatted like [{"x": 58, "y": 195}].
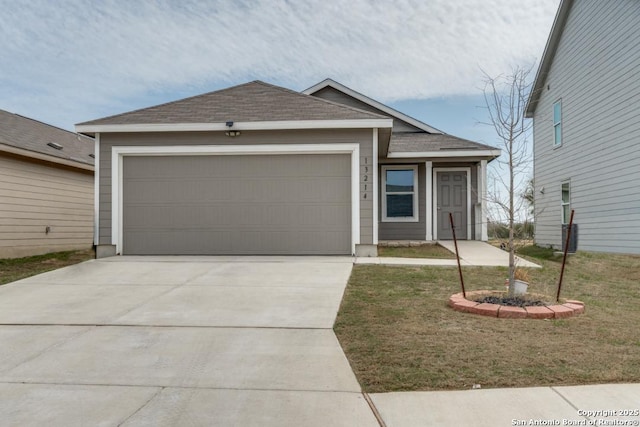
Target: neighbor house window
[
  {"x": 566, "y": 202},
  {"x": 557, "y": 123},
  {"x": 400, "y": 193}
]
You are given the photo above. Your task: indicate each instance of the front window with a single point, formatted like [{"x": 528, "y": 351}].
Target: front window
[
  {"x": 566, "y": 202},
  {"x": 400, "y": 198},
  {"x": 557, "y": 123}
]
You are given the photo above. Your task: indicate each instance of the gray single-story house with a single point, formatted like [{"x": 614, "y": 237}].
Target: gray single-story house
[
  {"x": 260, "y": 169},
  {"x": 46, "y": 188}
]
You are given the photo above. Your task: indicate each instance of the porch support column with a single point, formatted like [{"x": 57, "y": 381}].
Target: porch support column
[
  {"x": 428, "y": 185},
  {"x": 482, "y": 200}
]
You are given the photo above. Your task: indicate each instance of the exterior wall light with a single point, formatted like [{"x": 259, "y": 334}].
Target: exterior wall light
[{"x": 231, "y": 133}]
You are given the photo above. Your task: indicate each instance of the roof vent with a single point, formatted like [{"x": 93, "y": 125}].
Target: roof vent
[{"x": 55, "y": 145}]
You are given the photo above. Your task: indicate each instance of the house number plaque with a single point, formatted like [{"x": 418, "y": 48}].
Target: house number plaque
[{"x": 366, "y": 177}]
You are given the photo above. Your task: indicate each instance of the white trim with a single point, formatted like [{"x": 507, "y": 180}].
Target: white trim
[
  {"x": 239, "y": 126},
  {"x": 362, "y": 98},
  {"x": 355, "y": 193},
  {"x": 484, "y": 236},
  {"x": 96, "y": 191},
  {"x": 435, "y": 198},
  {"x": 556, "y": 124},
  {"x": 445, "y": 153},
  {"x": 416, "y": 211},
  {"x": 375, "y": 184},
  {"x": 119, "y": 152},
  {"x": 563, "y": 204},
  {"x": 429, "y": 200}
]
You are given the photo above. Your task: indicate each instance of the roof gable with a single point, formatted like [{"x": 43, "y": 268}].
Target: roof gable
[
  {"x": 547, "y": 57},
  {"x": 250, "y": 102},
  {"x": 377, "y": 106},
  {"x": 31, "y": 138}
]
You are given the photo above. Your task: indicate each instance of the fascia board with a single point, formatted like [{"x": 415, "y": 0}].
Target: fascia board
[
  {"x": 239, "y": 126},
  {"x": 441, "y": 154}
]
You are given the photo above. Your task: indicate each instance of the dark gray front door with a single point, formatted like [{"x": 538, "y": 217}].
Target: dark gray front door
[{"x": 452, "y": 197}]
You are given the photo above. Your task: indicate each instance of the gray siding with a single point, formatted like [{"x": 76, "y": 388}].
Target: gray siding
[
  {"x": 34, "y": 196},
  {"x": 595, "y": 73},
  {"x": 331, "y": 94},
  {"x": 107, "y": 141}
]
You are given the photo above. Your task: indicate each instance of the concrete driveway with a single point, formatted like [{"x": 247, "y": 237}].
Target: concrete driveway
[{"x": 168, "y": 341}]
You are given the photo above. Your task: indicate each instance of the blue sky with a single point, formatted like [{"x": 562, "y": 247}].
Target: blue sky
[{"x": 69, "y": 61}]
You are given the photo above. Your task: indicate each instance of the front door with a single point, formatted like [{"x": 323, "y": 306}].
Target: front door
[{"x": 452, "y": 197}]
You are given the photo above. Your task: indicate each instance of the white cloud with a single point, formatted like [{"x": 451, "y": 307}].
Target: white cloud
[{"x": 70, "y": 61}]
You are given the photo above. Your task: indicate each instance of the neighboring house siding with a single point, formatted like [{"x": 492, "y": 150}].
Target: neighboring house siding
[
  {"x": 595, "y": 73},
  {"x": 36, "y": 195},
  {"x": 331, "y": 94},
  {"x": 363, "y": 137}
]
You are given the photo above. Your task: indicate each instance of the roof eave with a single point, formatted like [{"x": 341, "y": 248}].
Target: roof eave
[
  {"x": 547, "y": 56},
  {"x": 444, "y": 154},
  {"x": 372, "y": 102},
  {"x": 45, "y": 157},
  {"x": 239, "y": 126}
]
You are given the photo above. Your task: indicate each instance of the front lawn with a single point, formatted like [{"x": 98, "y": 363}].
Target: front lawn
[
  {"x": 399, "y": 334},
  {"x": 12, "y": 269}
]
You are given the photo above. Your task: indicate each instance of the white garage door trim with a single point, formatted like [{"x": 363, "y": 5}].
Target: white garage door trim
[{"x": 119, "y": 152}]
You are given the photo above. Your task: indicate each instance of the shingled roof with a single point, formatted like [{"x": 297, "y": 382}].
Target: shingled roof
[
  {"x": 414, "y": 142},
  {"x": 250, "y": 102},
  {"x": 31, "y": 136}
]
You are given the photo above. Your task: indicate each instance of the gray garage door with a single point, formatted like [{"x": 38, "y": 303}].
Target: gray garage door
[{"x": 217, "y": 205}]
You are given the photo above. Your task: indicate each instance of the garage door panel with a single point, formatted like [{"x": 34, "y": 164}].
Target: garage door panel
[
  {"x": 222, "y": 242},
  {"x": 284, "y": 204},
  {"x": 312, "y": 190},
  {"x": 286, "y": 216},
  {"x": 163, "y": 167}
]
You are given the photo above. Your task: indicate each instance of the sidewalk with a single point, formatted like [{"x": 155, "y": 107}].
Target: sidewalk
[
  {"x": 472, "y": 253},
  {"x": 549, "y": 406}
]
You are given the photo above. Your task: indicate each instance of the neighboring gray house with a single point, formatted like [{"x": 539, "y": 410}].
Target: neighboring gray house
[
  {"x": 46, "y": 188},
  {"x": 585, "y": 104},
  {"x": 259, "y": 169}
]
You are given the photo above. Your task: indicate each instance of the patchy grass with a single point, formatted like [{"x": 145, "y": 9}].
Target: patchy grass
[
  {"x": 399, "y": 334},
  {"x": 422, "y": 251},
  {"x": 12, "y": 269},
  {"x": 539, "y": 252}
]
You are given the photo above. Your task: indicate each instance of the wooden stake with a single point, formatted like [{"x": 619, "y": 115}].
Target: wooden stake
[
  {"x": 564, "y": 257},
  {"x": 455, "y": 243}
]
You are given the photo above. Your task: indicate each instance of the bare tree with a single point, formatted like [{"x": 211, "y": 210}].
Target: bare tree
[{"x": 505, "y": 100}]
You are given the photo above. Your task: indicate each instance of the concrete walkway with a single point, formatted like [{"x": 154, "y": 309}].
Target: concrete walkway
[
  {"x": 539, "y": 406},
  {"x": 472, "y": 253}
]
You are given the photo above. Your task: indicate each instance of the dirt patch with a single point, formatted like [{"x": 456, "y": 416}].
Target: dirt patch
[{"x": 511, "y": 301}]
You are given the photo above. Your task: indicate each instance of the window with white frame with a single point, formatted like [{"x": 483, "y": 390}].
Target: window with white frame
[
  {"x": 566, "y": 202},
  {"x": 400, "y": 193},
  {"x": 557, "y": 123}
]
